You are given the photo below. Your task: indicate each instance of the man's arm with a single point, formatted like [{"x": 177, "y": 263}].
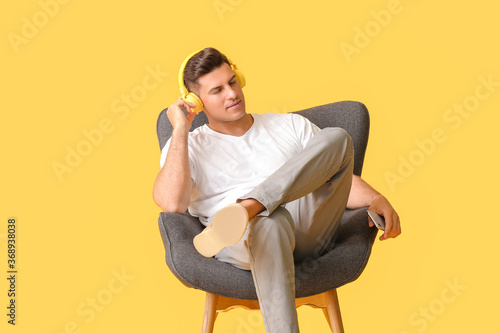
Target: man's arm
[
  {"x": 173, "y": 185},
  {"x": 363, "y": 195}
]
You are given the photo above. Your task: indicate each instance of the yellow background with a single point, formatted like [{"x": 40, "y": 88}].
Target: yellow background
[{"x": 76, "y": 233}]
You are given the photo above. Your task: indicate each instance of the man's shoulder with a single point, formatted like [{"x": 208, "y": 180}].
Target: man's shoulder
[
  {"x": 200, "y": 133},
  {"x": 291, "y": 119},
  {"x": 273, "y": 116}
]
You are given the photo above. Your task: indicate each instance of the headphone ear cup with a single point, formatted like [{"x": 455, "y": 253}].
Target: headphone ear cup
[
  {"x": 194, "y": 99},
  {"x": 240, "y": 77}
]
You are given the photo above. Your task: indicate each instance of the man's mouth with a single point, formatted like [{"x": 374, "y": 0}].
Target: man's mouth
[{"x": 234, "y": 105}]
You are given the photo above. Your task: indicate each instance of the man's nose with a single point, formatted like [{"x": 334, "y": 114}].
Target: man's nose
[{"x": 231, "y": 92}]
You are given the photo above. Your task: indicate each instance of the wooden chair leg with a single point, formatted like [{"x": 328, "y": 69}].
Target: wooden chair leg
[
  {"x": 330, "y": 299},
  {"x": 333, "y": 310},
  {"x": 325, "y": 312},
  {"x": 210, "y": 313}
]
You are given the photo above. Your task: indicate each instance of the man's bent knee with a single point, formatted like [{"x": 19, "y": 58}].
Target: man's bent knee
[{"x": 334, "y": 140}]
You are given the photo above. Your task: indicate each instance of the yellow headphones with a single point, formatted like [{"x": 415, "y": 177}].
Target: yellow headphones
[{"x": 192, "y": 97}]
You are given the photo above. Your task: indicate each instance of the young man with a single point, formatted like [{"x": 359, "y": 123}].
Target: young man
[{"x": 271, "y": 188}]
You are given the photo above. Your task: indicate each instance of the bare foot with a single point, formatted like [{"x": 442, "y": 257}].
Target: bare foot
[
  {"x": 227, "y": 227},
  {"x": 252, "y": 206}
]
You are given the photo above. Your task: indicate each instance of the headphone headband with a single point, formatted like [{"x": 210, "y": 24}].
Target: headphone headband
[{"x": 182, "y": 87}]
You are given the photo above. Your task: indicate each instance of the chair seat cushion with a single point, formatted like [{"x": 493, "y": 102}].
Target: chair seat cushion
[{"x": 341, "y": 265}]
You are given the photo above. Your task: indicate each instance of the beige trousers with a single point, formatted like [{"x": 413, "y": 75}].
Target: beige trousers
[{"x": 305, "y": 200}]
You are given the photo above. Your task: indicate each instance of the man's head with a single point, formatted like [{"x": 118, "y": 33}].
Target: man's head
[
  {"x": 200, "y": 64},
  {"x": 209, "y": 75}
]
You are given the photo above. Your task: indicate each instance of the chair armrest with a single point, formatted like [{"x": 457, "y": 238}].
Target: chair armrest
[
  {"x": 342, "y": 264},
  {"x": 181, "y": 227},
  {"x": 177, "y": 231},
  {"x": 193, "y": 269}
]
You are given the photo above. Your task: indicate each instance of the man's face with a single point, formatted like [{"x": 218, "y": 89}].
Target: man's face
[{"x": 222, "y": 95}]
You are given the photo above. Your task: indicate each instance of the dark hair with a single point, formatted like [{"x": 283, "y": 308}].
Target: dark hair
[{"x": 200, "y": 64}]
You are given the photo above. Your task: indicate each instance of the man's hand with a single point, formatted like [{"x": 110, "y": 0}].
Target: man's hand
[
  {"x": 176, "y": 115},
  {"x": 381, "y": 206}
]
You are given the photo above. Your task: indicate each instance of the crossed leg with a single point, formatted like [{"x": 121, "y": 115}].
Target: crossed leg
[{"x": 303, "y": 203}]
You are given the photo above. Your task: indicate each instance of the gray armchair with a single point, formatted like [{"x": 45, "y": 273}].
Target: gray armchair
[{"x": 316, "y": 279}]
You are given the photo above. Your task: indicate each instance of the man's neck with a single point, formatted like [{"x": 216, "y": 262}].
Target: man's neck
[{"x": 234, "y": 128}]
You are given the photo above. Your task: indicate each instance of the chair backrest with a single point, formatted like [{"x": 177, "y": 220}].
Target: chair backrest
[{"x": 351, "y": 116}]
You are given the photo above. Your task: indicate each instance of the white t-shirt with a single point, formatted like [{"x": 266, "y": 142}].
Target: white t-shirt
[{"x": 226, "y": 167}]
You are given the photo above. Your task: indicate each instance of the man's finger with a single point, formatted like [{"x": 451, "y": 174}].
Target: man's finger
[
  {"x": 388, "y": 227},
  {"x": 185, "y": 104},
  {"x": 191, "y": 116},
  {"x": 397, "y": 225},
  {"x": 189, "y": 106}
]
